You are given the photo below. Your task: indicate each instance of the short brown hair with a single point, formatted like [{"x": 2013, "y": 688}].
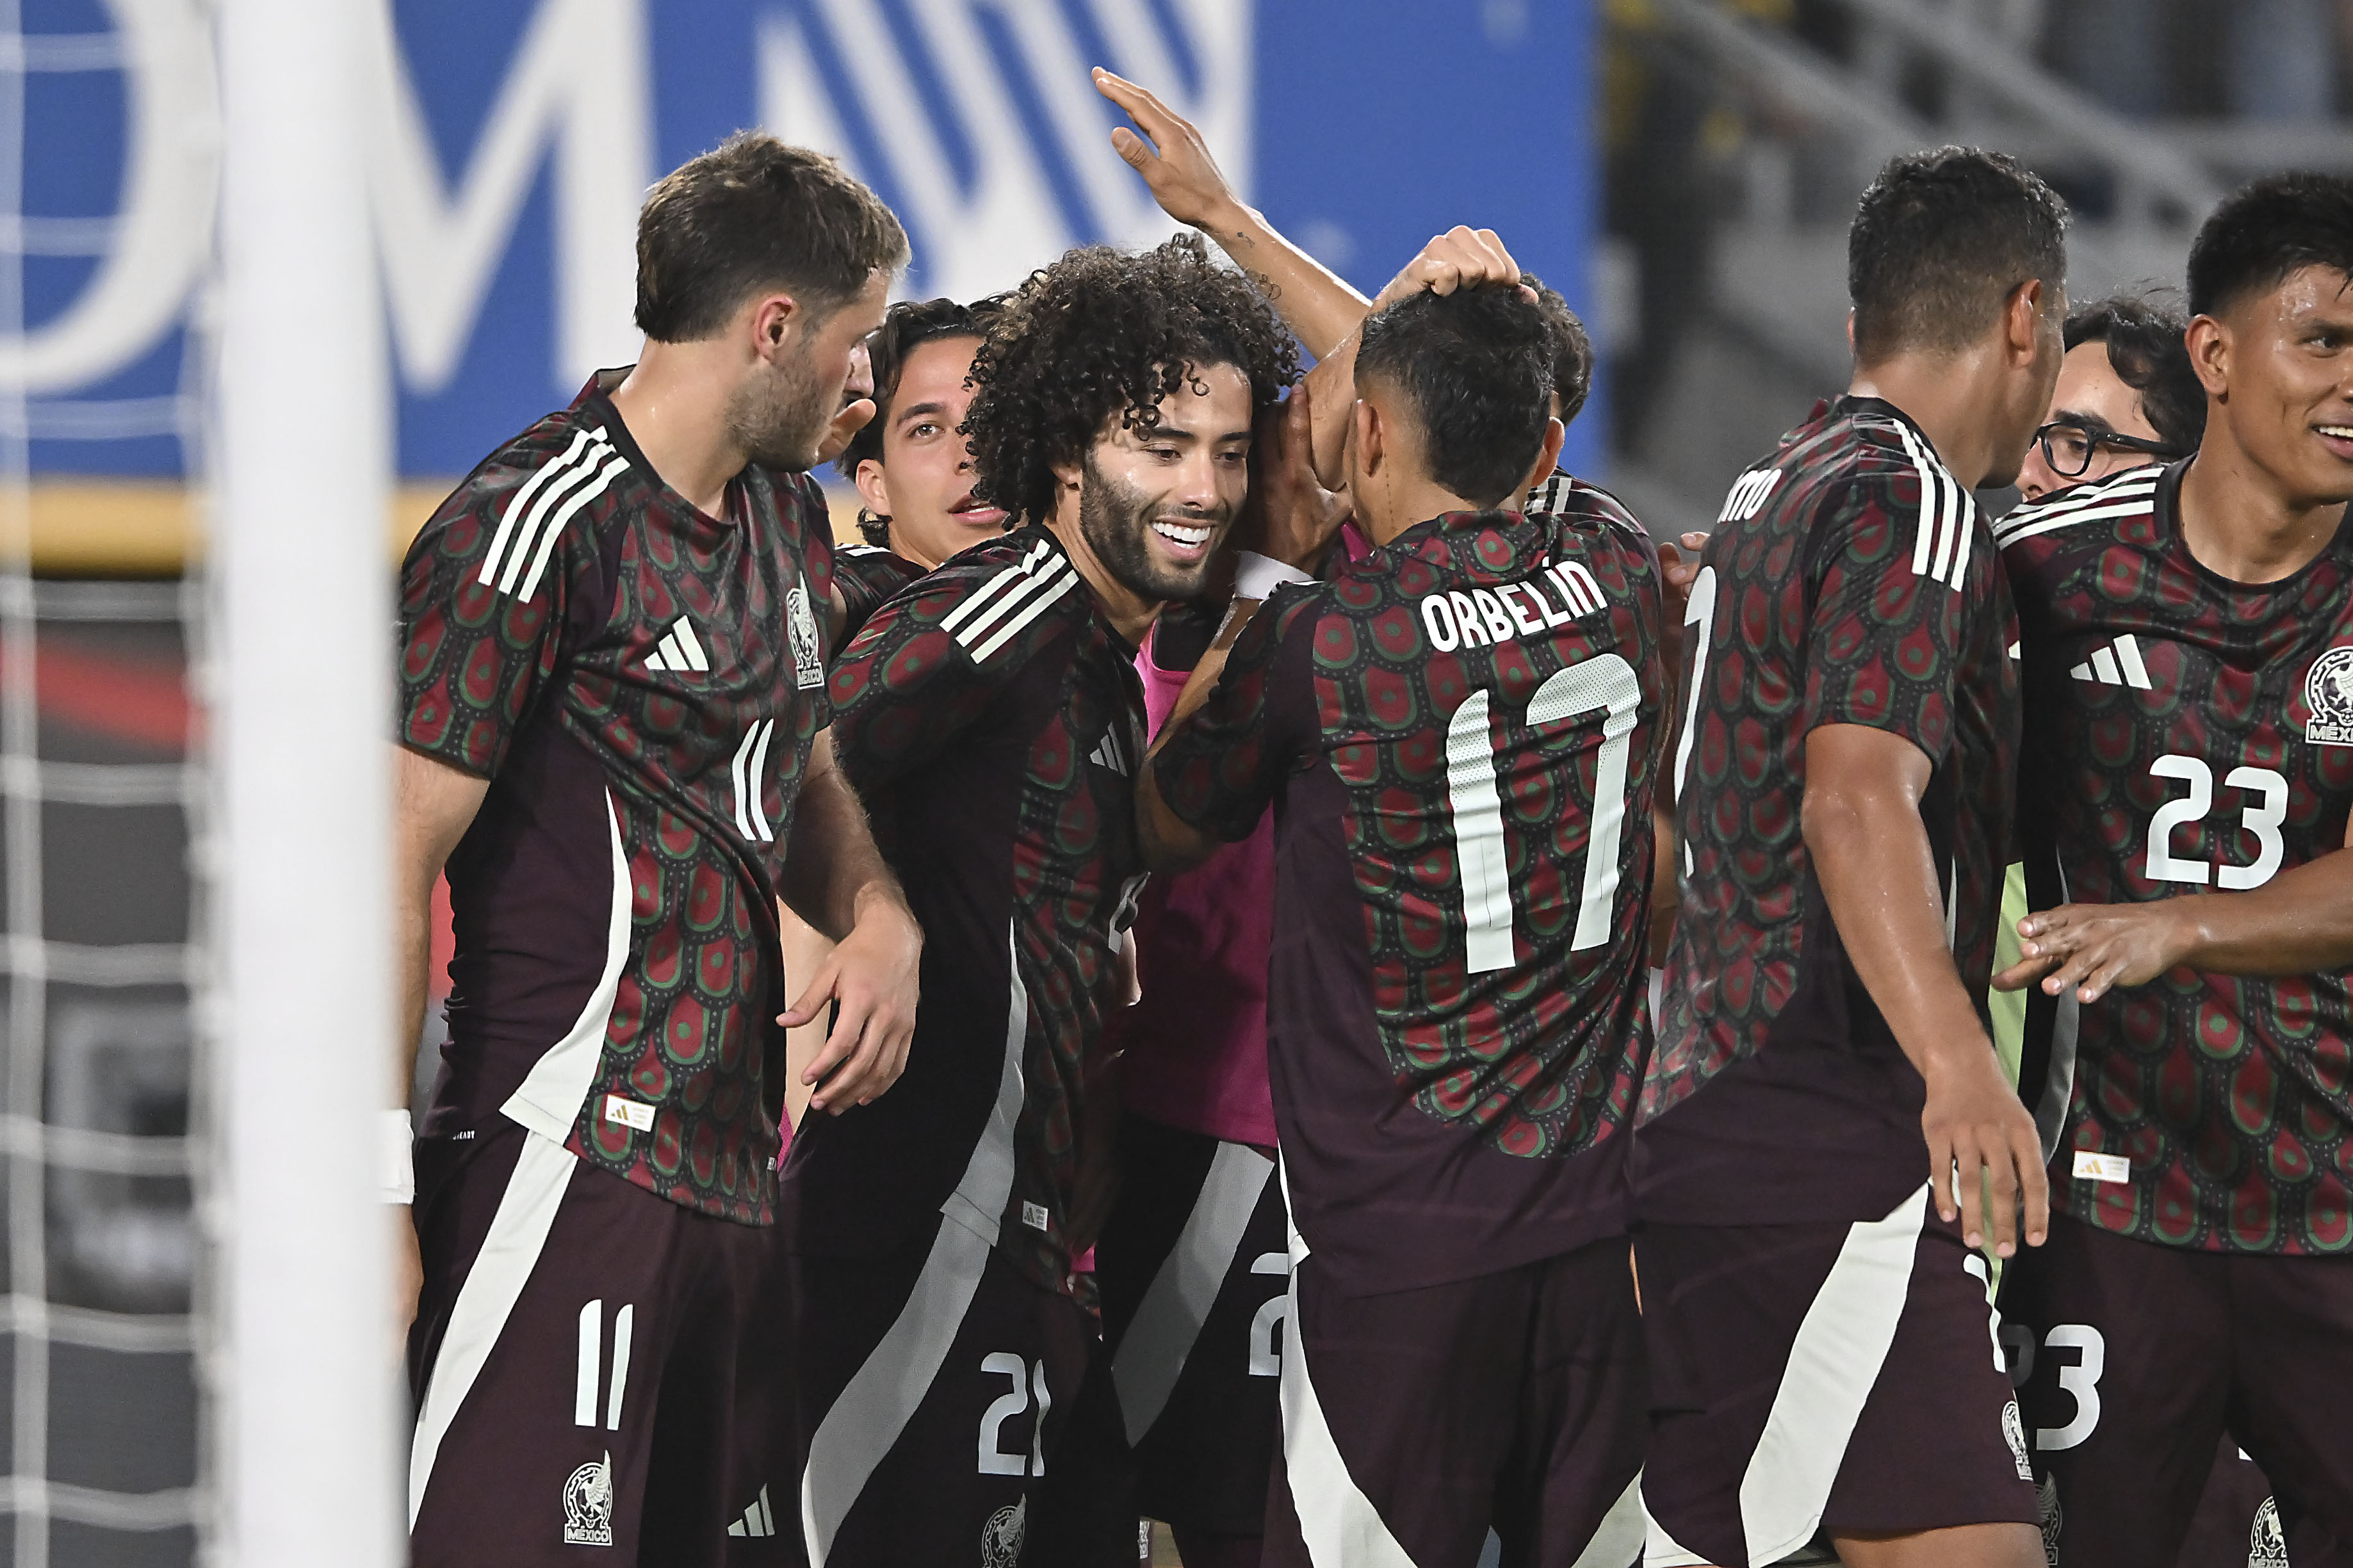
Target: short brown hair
[
  {"x": 754, "y": 212},
  {"x": 1938, "y": 243}
]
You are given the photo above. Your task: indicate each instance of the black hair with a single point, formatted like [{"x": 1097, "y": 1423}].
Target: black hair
[
  {"x": 1939, "y": 241},
  {"x": 1477, "y": 366},
  {"x": 1572, "y": 355},
  {"x": 752, "y": 213},
  {"x": 1103, "y": 334},
  {"x": 2144, "y": 339},
  {"x": 907, "y": 327},
  {"x": 2266, "y": 230}
]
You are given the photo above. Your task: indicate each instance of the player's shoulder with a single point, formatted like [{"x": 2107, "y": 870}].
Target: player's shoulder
[
  {"x": 523, "y": 490},
  {"x": 2100, "y": 512},
  {"x": 1586, "y": 516},
  {"x": 1001, "y": 596}
]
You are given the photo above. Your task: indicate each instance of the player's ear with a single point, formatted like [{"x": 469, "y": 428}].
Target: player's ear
[
  {"x": 1371, "y": 438},
  {"x": 1548, "y": 459},
  {"x": 2209, "y": 342},
  {"x": 871, "y": 488},
  {"x": 773, "y": 318},
  {"x": 2021, "y": 319}
]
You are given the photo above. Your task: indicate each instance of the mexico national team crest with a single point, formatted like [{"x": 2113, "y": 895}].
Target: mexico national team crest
[
  {"x": 2014, "y": 1429},
  {"x": 1000, "y": 1538},
  {"x": 589, "y": 1504},
  {"x": 2267, "y": 1542},
  {"x": 2328, "y": 693},
  {"x": 809, "y": 654}
]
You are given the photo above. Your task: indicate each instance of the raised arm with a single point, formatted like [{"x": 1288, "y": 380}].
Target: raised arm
[{"x": 1314, "y": 302}]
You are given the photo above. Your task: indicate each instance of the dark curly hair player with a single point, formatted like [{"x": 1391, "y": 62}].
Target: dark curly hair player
[{"x": 990, "y": 718}]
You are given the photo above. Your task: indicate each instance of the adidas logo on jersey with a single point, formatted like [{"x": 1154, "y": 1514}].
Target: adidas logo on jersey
[
  {"x": 2118, "y": 664},
  {"x": 1112, "y": 751},
  {"x": 1748, "y": 495},
  {"x": 678, "y": 650},
  {"x": 759, "y": 1520}
]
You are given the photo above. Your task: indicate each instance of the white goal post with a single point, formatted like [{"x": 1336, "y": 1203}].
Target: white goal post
[{"x": 302, "y": 1383}]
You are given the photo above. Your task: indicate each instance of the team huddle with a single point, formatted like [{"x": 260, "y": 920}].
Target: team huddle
[{"x": 1259, "y": 957}]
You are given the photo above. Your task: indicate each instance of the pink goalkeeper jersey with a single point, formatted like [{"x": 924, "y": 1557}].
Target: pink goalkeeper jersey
[{"x": 1196, "y": 1045}]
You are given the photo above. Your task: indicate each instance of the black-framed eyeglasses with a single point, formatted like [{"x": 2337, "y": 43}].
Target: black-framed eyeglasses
[{"x": 2068, "y": 446}]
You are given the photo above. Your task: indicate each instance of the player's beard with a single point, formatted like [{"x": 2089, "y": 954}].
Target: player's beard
[
  {"x": 1116, "y": 523},
  {"x": 778, "y": 417}
]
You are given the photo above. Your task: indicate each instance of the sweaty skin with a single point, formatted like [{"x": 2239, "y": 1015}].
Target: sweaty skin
[{"x": 922, "y": 482}]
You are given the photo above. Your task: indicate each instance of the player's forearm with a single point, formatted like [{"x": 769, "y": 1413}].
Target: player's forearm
[
  {"x": 1871, "y": 855},
  {"x": 1314, "y": 302},
  {"x": 412, "y": 923},
  {"x": 834, "y": 874},
  {"x": 2298, "y": 923}
]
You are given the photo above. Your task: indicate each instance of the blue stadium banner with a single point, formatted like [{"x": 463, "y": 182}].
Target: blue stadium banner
[{"x": 515, "y": 139}]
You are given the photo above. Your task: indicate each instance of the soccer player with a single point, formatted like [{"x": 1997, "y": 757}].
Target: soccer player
[
  {"x": 613, "y": 730},
  {"x": 1462, "y": 730},
  {"x": 991, "y": 719},
  {"x": 2127, "y": 398},
  {"x": 911, "y": 463},
  {"x": 913, "y": 472},
  {"x": 2188, "y": 633},
  {"x": 1824, "y": 1104}
]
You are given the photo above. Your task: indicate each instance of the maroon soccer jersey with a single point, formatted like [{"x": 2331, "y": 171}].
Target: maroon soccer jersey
[
  {"x": 865, "y": 576},
  {"x": 992, "y": 723},
  {"x": 1457, "y": 732},
  {"x": 1849, "y": 580},
  {"x": 640, "y": 684},
  {"x": 2189, "y": 733}
]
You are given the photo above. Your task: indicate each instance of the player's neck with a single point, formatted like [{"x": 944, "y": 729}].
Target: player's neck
[
  {"x": 1952, "y": 400},
  {"x": 1130, "y": 614},
  {"x": 1407, "y": 505},
  {"x": 675, "y": 405},
  {"x": 2238, "y": 520}
]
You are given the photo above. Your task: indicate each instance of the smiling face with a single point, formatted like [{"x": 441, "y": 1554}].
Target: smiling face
[
  {"x": 2280, "y": 363},
  {"x": 1152, "y": 504},
  {"x": 922, "y": 482}
]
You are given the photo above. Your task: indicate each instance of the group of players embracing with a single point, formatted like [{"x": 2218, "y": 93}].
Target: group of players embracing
[{"x": 1355, "y": 1190}]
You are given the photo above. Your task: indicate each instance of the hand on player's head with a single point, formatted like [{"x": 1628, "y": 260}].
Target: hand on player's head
[
  {"x": 1289, "y": 516},
  {"x": 1462, "y": 258},
  {"x": 1175, "y": 162}
]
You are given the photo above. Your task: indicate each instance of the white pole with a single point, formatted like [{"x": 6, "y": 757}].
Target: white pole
[{"x": 305, "y": 1446}]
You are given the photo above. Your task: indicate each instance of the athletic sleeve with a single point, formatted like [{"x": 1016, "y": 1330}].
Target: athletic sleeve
[
  {"x": 1220, "y": 766},
  {"x": 907, "y": 684},
  {"x": 1883, "y": 639},
  {"x": 480, "y": 626}
]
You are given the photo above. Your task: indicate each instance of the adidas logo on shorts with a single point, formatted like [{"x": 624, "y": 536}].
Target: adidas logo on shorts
[{"x": 759, "y": 1520}]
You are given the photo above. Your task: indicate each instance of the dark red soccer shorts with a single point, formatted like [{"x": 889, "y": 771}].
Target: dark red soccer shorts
[
  {"x": 589, "y": 1384},
  {"x": 930, "y": 1389},
  {"x": 1828, "y": 1377},
  {"x": 1414, "y": 1422},
  {"x": 2135, "y": 1357},
  {"x": 1195, "y": 1268}
]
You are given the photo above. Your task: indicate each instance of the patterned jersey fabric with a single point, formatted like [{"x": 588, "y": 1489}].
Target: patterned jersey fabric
[
  {"x": 2190, "y": 735},
  {"x": 867, "y": 575},
  {"x": 992, "y": 724},
  {"x": 1849, "y": 580},
  {"x": 640, "y": 684},
  {"x": 1460, "y": 732}
]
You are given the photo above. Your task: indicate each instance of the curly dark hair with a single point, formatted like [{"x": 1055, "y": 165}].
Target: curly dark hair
[
  {"x": 909, "y": 324},
  {"x": 1104, "y": 334},
  {"x": 1572, "y": 358}
]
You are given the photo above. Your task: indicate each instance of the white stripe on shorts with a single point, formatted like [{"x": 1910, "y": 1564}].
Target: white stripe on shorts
[
  {"x": 1152, "y": 1355},
  {"x": 864, "y": 1423},
  {"x": 510, "y": 1252},
  {"x": 1618, "y": 1539},
  {"x": 1833, "y": 1362},
  {"x": 1338, "y": 1521}
]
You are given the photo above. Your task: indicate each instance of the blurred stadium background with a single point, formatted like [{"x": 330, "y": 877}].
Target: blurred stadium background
[{"x": 1682, "y": 169}]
